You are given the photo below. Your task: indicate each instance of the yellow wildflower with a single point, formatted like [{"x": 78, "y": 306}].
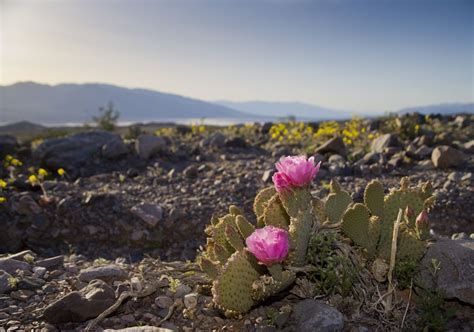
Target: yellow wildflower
[
  {"x": 3, "y": 184},
  {"x": 42, "y": 172},
  {"x": 32, "y": 179},
  {"x": 3, "y": 199},
  {"x": 61, "y": 171},
  {"x": 8, "y": 157},
  {"x": 16, "y": 162}
]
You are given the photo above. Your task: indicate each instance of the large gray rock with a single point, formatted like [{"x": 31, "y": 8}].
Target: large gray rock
[
  {"x": 5, "y": 285},
  {"x": 445, "y": 156},
  {"x": 334, "y": 145},
  {"x": 150, "y": 213},
  {"x": 7, "y": 144},
  {"x": 456, "y": 275},
  {"x": 80, "y": 306},
  {"x": 316, "y": 316},
  {"x": 382, "y": 142},
  {"x": 11, "y": 265},
  {"x": 114, "y": 150},
  {"x": 216, "y": 140},
  {"x": 74, "y": 151},
  {"x": 105, "y": 272},
  {"x": 149, "y": 145}
]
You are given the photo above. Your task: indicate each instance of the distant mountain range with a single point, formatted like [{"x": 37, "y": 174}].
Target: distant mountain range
[
  {"x": 285, "y": 109},
  {"x": 78, "y": 103},
  {"x": 453, "y": 108}
]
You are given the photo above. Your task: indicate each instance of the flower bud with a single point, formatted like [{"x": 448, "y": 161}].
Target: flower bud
[{"x": 422, "y": 221}]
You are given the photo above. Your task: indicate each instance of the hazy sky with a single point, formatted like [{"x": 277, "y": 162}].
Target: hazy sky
[{"x": 358, "y": 55}]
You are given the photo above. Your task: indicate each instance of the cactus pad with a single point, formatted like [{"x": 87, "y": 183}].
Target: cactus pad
[
  {"x": 267, "y": 286},
  {"x": 232, "y": 290},
  {"x": 262, "y": 199}
]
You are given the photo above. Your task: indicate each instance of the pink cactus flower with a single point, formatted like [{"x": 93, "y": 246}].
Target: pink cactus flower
[
  {"x": 422, "y": 220},
  {"x": 281, "y": 182},
  {"x": 269, "y": 244},
  {"x": 296, "y": 171}
]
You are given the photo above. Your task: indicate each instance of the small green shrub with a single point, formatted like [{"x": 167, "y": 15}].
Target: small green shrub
[{"x": 332, "y": 273}]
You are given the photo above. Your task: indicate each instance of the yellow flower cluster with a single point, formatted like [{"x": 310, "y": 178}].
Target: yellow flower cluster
[
  {"x": 327, "y": 129},
  {"x": 10, "y": 161},
  {"x": 291, "y": 132},
  {"x": 198, "y": 129},
  {"x": 353, "y": 130}
]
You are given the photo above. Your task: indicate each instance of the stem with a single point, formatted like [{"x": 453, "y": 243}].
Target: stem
[{"x": 276, "y": 271}]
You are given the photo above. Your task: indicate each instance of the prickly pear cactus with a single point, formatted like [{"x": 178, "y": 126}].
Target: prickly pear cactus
[
  {"x": 337, "y": 202},
  {"x": 239, "y": 282},
  {"x": 370, "y": 225}
]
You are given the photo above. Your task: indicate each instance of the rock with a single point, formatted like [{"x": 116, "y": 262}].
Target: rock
[
  {"x": 217, "y": 140},
  {"x": 7, "y": 145},
  {"x": 425, "y": 165},
  {"x": 422, "y": 152},
  {"x": 182, "y": 290},
  {"x": 81, "y": 305},
  {"x": 149, "y": 145},
  {"x": 267, "y": 175},
  {"x": 164, "y": 302},
  {"x": 21, "y": 295},
  {"x": 236, "y": 142},
  {"x": 26, "y": 206},
  {"x": 315, "y": 316},
  {"x": 456, "y": 275},
  {"x": 148, "y": 212},
  {"x": 5, "y": 284},
  {"x": 455, "y": 176},
  {"x": 190, "y": 172},
  {"x": 74, "y": 151},
  {"x": 51, "y": 262},
  {"x": 39, "y": 271},
  {"x": 369, "y": 158},
  {"x": 115, "y": 149},
  {"x": 445, "y": 156},
  {"x": 336, "y": 159},
  {"x": 469, "y": 146},
  {"x": 31, "y": 283},
  {"x": 104, "y": 272},
  {"x": 265, "y": 129},
  {"x": 143, "y": 328},
  {"x": 380, "y": 143},
  {"x": 191, "y": 300},
  {"x": 334, "y": 145},
  {"x": 10, "y": 265}
]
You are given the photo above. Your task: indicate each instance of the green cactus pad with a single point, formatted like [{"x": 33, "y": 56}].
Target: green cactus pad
[
  {"x": 235, "y": 210},
  {"x": 336, "y": 204},
  {"x": 357, "y": 225},
  {"x": 234, "y": 238},
  {"x": 208, "y": 267},
  {"x": 218, "y": 231},
  {"x": 267, "y": 286},
  {"x": 319, "y": 210},
  {"x": 299, "y": 206},
  {"x": 244, "y": 226},
  {"x": 409, "y": 246},
  {"x": 221, "y": 253},
  {"x": 275, "y": 214},
  {"x": 261, "y": 200},
  {"x": 374, "y": 197},
  {"x": 232, "y": 289}
]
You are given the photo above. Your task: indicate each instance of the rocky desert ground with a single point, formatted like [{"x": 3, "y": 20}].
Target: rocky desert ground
[{"x": 111, "y": 242}]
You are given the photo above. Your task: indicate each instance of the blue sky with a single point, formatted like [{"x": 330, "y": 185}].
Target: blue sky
[{"x": 359, "y": 55}]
